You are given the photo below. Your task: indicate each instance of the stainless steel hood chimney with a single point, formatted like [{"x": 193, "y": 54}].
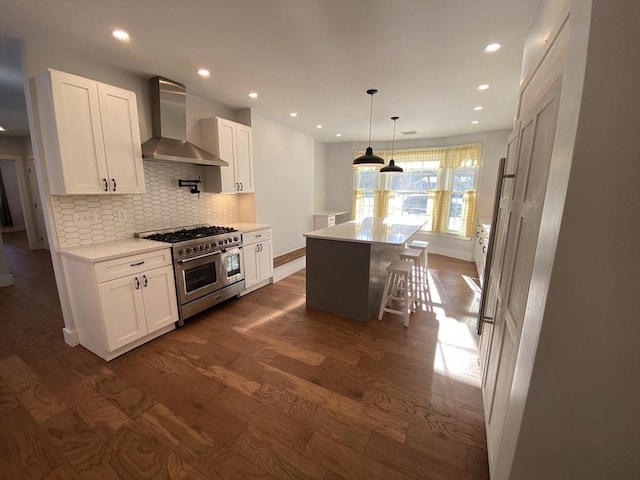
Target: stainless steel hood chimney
[{"x": 169, "y": 124}]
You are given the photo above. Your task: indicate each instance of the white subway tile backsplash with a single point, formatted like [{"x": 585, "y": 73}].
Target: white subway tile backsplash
[{"x": 164, "y": 205}]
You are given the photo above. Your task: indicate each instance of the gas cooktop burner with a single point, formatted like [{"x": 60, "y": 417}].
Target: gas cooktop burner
[{"x": 185, "y": 234}]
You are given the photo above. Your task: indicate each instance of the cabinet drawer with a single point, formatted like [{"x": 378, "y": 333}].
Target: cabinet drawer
[
  {"x": 257, "y": 236},
  {"x": 131, "y": 264}
]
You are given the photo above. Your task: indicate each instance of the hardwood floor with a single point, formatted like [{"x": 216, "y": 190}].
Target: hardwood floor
[{"x": 260, "y": 387}]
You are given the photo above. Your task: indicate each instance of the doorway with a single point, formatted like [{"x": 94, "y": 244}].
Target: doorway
[{"x": 21, "y": 206}]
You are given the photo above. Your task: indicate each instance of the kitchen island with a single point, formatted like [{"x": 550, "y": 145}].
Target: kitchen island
[{"x": 346, "y": 265}]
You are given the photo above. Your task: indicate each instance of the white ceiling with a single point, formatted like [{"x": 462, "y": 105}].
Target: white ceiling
[{"x": 315, "y": 57}]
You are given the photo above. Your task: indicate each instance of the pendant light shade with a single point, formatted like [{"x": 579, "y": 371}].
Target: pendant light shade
[
  {"x": 392, "y": 167},
  {"x": 369, "y": 158}
]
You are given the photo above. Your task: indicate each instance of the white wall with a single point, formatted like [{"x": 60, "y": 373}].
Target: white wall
[
  {"x": 339, "y": 159},
  {"x": 284, "y": 183},
  {"x": 320, "y": 177}
]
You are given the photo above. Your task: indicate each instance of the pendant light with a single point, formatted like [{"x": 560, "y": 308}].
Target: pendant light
[
  {"x": 369, "y": 158},
  {"x": 392, "y": 167}
]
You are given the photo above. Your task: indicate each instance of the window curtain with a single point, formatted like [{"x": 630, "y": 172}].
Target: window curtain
[
  {"x": 441, "y": 200},
  {"x": 356, "y": 201},
  {"x": 5, "y": 213},
  {"x": 444, "y": 161},
  {"x": 381, "y": 201},
  {"x": 468, "y": 213}
]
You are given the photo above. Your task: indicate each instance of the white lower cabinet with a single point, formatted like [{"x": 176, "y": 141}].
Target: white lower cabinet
[
  {"x": 258, "y": 257},
  {"x": 137, "y": 305},
  {"x": 121, "y": 303}
]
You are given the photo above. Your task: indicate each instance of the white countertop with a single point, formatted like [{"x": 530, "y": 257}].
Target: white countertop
[
  {"x": 369, "y": 230},
  {"x": 328, "y": 213},
  {"x": 249, "y": 227},
  {"x": 109, "y": 250}
]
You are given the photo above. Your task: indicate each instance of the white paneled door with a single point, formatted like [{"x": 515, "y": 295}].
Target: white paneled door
[{"x": 517, "y": 226}]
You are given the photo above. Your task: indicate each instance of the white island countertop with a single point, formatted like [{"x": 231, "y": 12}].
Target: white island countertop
[
  {"x": 109, "y": 250},
  {"x": 369, "y": 230}
]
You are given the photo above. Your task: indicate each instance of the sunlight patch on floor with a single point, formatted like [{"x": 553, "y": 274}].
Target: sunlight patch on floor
[
  {"x": 266, "y": 318},
  {"x": 456, "y": 354}
]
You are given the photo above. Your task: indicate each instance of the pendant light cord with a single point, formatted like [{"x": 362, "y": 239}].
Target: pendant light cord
[
  {"x": 393, "y": 141},
  {"x": 370, "y": 116}
]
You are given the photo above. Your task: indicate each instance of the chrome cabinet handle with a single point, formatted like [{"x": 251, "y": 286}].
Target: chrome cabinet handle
[
  {"x": 137, "y": 283},
  {"x": 241, "y": 186},
  {"x": 146, "y": 282},
  {"x": 113, "y": 180},
  {"x": 106, "y": 184}
]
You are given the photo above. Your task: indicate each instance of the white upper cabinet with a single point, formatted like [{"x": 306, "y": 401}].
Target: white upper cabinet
[
  {"x": 91, "y": 136},
  {"x": 232, "y": 142}
]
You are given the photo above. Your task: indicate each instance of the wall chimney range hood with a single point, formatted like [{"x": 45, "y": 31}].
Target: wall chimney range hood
[{"x": 169, "y": 126}]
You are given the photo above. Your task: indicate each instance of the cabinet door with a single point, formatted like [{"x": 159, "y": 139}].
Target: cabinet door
[
  {"x": 244, "y": 158},
  {"x": 251, "y": 265},
  {"x": 159, "y": 294},
  {"x": 265, "y": 261},
  {"x": 121, "y": 133},
  {"x": 122, "y": 311},
  {"x": 78, "y": 127},
  {"x": 227, "y": 152}
]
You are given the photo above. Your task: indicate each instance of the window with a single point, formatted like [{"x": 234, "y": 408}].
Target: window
[{"x": 437, "y": 189}]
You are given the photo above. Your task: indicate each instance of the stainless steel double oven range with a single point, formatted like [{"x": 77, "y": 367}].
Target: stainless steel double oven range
[{"x": 208, "y": 265}]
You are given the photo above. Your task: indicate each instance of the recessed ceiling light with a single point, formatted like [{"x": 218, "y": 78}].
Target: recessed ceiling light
[
  {"x": 493, "y": 47},
  {"x": 318, "y": 126},
  {"x": 484, "y": 86},
  {"x": 203, "y": 72},
  {"x": 293, "y": 114},
  {"x": 475, "y": 122},
  {"x": 120, "y": 35},
  {"x": 477, "y": 108},
  {"x": 338, "y": 134},
  {"x": 253, "y": 94}
]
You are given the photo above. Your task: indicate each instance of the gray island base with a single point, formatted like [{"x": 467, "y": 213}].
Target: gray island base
[{"x": 346, "y": 265}]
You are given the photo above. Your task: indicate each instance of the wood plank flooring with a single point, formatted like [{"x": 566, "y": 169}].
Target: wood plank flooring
[{"x": 259, "y": 387}]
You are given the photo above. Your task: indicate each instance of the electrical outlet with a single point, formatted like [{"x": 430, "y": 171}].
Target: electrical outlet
[
  {"x": 120, "y": 216},
  {"x": 85, "y": 218}
]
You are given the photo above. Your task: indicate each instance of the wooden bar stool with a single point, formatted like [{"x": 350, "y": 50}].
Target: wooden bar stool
[
  {"x": 424, "y": 249},
  {"x": 415, "y": 257},
  {"x": 398, "y": 282}
]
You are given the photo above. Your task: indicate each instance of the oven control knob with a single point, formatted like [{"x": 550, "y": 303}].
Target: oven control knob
[
  {"x": 189, "y": 250},
  {"x": 207, "y": 246},
  {"x": 182, "y": 251},
  {"x": 197, "y": 248},
  {"x": 235, "y": 239},
  {"x": 221, "y": 242}
]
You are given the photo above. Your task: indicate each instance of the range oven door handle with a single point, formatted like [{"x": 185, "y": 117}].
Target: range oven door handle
[{"x": 185, "y": 260}]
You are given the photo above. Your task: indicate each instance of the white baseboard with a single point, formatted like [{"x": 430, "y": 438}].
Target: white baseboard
[
  {"x": 70, "y": 337},
  {"x": 6, "y": 280},
  {"x": 289, "y": 268},
  {"x": 451, "y": 253}
]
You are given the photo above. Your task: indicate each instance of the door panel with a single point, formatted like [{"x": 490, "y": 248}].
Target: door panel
[
  {"x": 123, "y": 150},
  {"x": 517, "y": 229},
  {"x": 122, "y": 311},
  {"x": 159, "y": 294},
  {"x": 78, "y": 123}
]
